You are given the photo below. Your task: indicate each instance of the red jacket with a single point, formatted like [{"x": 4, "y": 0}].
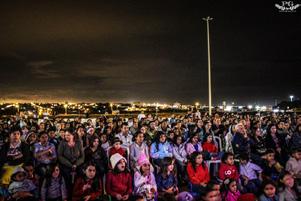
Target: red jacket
[
  {"x": 78, "y": 192},
  {"x": 228, "y": 171},
  {"x": 119, "y": 183},
  {"x": 207, "y": 146},
  {"x": 201, "y": 175}
]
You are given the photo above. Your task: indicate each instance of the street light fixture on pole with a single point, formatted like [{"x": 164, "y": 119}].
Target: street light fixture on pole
[
  {"x": 207, "y": 19},
  {"x": 291, "y": 97}
]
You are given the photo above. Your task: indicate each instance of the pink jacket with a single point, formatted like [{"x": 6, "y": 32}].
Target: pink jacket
[
  {"x": 190, "y": 148},
  {"x": 229, "y": 196}
]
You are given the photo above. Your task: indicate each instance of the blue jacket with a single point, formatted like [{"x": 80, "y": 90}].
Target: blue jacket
[
  {"x": 164, "y": 150},
  {"x": 166, "y": 183}
]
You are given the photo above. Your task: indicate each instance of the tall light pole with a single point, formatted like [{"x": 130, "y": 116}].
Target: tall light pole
[
  {"x": 66, "y": 108},
  {"x": 207, "y": 19},
  {"x": 291, "y": 97}
]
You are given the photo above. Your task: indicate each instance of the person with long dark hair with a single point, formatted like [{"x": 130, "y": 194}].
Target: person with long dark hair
[
  {"x": 95, "y": 153},
  {"x": 276, "y": 142},
  {"x": 258, "y": 147},
  {"x": 88, "y": 186},
  {"x": 289, "y": 190},
  {"x": 160, "y": 149},
  {"x": 54, "y": 186},
  {"x": 180, "y": 155},
  {"x": 137, "y": 148},
  {"x": 167, "y": 181},
  {"x": 194, "y": 144},
  {"x": 198, "y": 172}
]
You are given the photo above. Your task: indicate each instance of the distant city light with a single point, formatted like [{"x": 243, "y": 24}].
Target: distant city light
[
  {"x": 263, "y": 108},
  {"x": 228, "y": 108}
]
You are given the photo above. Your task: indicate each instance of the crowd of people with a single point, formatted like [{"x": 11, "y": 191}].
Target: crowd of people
[{"x": 228, "y": 156}]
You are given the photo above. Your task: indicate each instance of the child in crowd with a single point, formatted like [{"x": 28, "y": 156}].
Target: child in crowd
[
  {"x": 227, "y": 168},
  {"x": 104, "y": 142},
  {"x": 167, "y": 182},
  {"x": 209, "y": 194},
  {"x": 116, "y": 148},
  {"x": 144, "y": 179},
  {"x": 95, "y": 153},
  {"x": 269, "y": 191},
  {"x": 137, "y": 148},
  {"x": 198, "y": 172},
  {"x": 250, "y": 174},
  {"x": 52, "y": 138},
  {"x": 160, "y": 149},
  {"x": 53, "y": 186},
  {"x": 193, "y": 144},
  {"x": 180, "y": 155},
  {"x": 88, "y": 186},
  {"x": 289, "y": 191},
  {"x": 119, "y": 180},
  {"x": 271, "y": 167},
  {"x": 21, "y": 188},
  {"x": 44, "y": 153},
  {"x": 31, "y": 174},
  {"x": 209, "y": 145},
  {"x": 231, "y": 192},
  {"x": 293, "y": 165}
]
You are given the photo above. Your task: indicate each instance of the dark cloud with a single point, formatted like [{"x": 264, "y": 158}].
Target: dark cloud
[{"x": 147, "y": 51}]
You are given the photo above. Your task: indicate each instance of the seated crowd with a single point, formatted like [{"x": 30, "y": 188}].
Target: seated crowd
[{"x": 227, "y": 157}]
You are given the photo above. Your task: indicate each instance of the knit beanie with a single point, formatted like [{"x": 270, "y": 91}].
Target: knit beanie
[{"x": 115, "y": 158}]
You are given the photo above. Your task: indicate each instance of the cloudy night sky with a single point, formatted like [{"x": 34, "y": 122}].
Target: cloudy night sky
[{"x": 148, "y": 51}]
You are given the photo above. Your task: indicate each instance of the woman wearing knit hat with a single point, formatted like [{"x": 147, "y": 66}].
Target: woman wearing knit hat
[
  {"x": 119, "y": 180},
  {"x": 144, "y": 179}
]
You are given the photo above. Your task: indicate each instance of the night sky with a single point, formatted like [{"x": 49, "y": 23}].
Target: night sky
[{"x": 148, "y": 51}]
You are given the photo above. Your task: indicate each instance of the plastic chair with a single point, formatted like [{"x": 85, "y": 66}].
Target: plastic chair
[
  {"x": 215, "y": 168},
  {"x": 219, "y": 143}
]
